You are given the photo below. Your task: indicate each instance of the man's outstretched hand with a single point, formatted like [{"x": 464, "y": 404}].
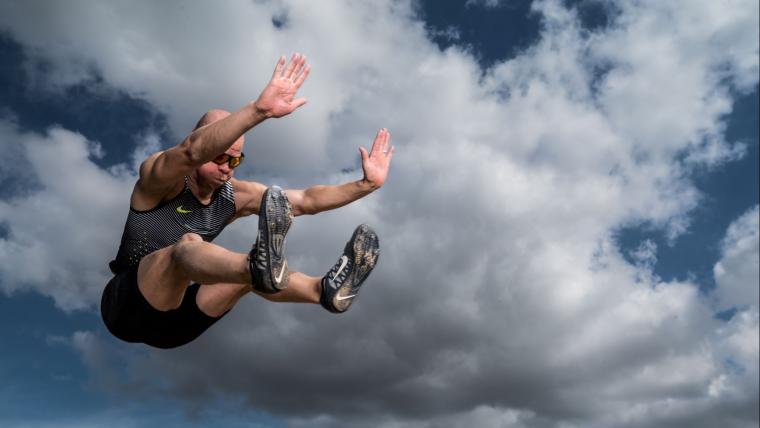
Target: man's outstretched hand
[
  {"x": 376, "y": 163},
  {"x": 278, "y": 98}
]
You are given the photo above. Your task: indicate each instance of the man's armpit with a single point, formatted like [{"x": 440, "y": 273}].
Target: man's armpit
[{"x": 248, "y": 196}]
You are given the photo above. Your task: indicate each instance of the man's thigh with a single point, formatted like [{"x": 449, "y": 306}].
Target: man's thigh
[{"x": 160, "y": 281}]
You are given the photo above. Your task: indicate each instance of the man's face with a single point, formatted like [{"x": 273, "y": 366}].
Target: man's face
[{"x": 218, "y": 174}]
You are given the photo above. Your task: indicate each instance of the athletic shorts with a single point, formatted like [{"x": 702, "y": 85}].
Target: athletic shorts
[{"x": 131, "y": 318}]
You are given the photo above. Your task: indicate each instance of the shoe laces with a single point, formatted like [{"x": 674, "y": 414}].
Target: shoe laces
[
  {"x": 339, "y": 276},
  {"x": 261, "y": 256}
]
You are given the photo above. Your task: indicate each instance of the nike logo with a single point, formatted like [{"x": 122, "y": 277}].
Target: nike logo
[
  {"x": 183, "y": 211},
  {"x": 345, "y": 297},
  {"x": 282, "y": 272}
]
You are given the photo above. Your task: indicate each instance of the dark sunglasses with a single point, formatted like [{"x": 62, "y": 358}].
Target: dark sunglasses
[{"x": 232, "y": 161}]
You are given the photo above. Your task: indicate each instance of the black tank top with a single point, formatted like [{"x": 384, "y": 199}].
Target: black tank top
[{"x": 151, "y": 230}]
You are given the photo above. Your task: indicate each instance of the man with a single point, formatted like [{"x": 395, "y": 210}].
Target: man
[{"x": 171, "y": 283}]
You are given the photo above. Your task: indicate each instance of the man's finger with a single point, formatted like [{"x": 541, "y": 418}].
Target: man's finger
[
  {"x": 378, "y": 143},
  {"x": 299, "y": 67},
  {"x": 364, "y": 154},
  {"x": 298, "y": 102},
  {"x": 383, "y": 140},
  {"x": 291, "y": 66},
  {"x": 278, "y": 66},
  {"x": 302, "y": 77}
]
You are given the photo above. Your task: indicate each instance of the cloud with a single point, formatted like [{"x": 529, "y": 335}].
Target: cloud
[
  {"x": 490, "y": 4},
  {"x": 501, "y": 298},
  {"x": 61, "y": 231},
  {"x": 737, "y": 272}
]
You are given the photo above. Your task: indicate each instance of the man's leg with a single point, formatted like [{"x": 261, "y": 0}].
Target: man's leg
[
  {"x": 163, "y": 275},
  {"x": 216, "y": 299},
  {"x": 301, "y": 289},
  {"x": 343, "y": 281}
]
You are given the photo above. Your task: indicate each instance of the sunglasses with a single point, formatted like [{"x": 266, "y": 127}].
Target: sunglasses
[{"x": 232, "y": 161}]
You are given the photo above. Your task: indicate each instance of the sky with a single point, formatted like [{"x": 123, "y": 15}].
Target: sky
[{"x": 569, "y": 230}]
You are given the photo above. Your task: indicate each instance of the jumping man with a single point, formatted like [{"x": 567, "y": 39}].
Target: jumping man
[{"x": 171, "y": 283}]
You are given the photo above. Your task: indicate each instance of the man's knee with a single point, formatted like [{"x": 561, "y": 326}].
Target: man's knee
[
  {"x": 190, "y": 237},
  {"x": 180, "y": 248}
]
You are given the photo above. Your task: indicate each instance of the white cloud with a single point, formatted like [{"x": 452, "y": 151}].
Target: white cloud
[
  {"x": 501, "y": 296},
  {"x": 61, "y": 233},
  {"x": 737, "y": 274}
]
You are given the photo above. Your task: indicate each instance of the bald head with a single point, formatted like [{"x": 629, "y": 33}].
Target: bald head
[
  {"x": 212, "y": 172},
  {"x": 211, "y": 116}
]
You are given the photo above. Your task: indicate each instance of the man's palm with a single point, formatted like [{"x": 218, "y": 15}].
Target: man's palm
[
  {"x": 278, "y": 98},
  {"x": 376, "y": 163}
]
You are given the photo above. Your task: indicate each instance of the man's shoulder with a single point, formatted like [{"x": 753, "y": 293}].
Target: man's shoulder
[
  {"x": 247, "y": 196},
  {"x": 143, "y": 199},
  {"x": 247, "y": 187}
]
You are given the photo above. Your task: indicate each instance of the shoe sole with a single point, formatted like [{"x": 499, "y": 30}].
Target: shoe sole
[
  {"x": 277, "y": 219},
  {"x": 365, "y": 247}
]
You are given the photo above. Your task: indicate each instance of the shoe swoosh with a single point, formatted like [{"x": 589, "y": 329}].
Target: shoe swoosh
[
  {"x": 182, "y": 210},
  {"x": 279, "y": 277},
  {"x": 345, "y": 297}
]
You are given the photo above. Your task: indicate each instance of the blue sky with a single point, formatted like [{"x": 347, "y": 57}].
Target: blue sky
[{"x": 572, "y": 212}]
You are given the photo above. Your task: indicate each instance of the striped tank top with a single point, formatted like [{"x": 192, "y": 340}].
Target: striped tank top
[{"x": 151, "y": 230}]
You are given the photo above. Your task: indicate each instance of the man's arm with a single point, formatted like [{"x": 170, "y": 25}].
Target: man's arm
[
  {"x": 161, "y": 171},
  {"x": 313, "y": 200},
  {"x": 320, "y": 198},
  {"x": 375, "y": 165}
]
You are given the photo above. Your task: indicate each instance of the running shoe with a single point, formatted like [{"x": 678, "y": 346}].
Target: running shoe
[
  {"x": 269, "y": 269},
  {"x": 341, "y": 284}
]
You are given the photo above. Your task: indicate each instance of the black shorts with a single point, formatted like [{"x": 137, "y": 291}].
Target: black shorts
[{"x": 131, "y": 318}]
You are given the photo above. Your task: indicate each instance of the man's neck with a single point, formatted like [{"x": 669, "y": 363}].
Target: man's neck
[{"x": 202, "y": 190}]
